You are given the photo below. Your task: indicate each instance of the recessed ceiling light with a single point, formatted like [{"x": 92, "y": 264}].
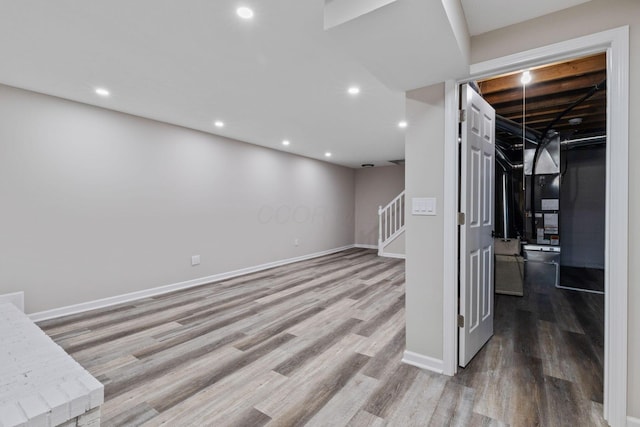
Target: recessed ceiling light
[
  {"x": 244, "y": 12},
  {"x": 402, "y": 124},
  {"x": 286, "y": 142},
  {"x": 526, "y": 77},
  {"x": 353, "y": 90},
  {"x": 102, "y": 91},
  {"x": 327, "y": 154},
  {"x": 218, "y": 124}
]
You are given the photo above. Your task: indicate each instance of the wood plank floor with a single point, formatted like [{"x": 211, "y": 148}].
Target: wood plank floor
[
  {"x": 591, "y": 279},
  {"x": 320, "y": 342},
  {"x": 544, "y": 364}
]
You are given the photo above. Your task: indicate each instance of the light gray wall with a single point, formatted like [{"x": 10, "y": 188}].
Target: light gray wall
[
  {"x": 398, "y": 246},
  {"x": 97, "y": 203},
  {"x": 374, "y": 187},
  {"x": 588, "y": 18},
  {"x": 582, "y": 208},
  {"x": 424, "y": 152}
]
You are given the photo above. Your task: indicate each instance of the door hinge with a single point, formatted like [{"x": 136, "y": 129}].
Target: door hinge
[
  {"x": 460, "y": 321},
  {"x": 463, "y": 116},
  {"x": 461, "y": 218}
]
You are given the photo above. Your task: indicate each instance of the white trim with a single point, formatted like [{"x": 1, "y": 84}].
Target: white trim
[
  {"x": 388, "y": 205},
  {"x": 360, "y": 246},
  {"x": 391, "y": 239},
  {"x": 390, "y": 255},
  {"x": 423, "y": 362},
  {"x": 15, "y": 298},
  {"x": 569, "y": 288},
  {"x": 132, "y": 296},
  {"x": 394, "y": 236},
  {"x": 633, "y": 422},
  {"x": 450, "y": 208},
  {"x": 616, "y": 228},
  {"x": 616, "y": 43},
  {"x": 581, "y": 46},
  {"x": 391, "y": 220}
]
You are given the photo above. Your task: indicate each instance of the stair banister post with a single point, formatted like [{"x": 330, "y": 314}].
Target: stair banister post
[{"x": 379, "y": 229}]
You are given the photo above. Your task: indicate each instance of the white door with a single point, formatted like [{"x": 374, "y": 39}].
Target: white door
[{"x": 476, "y": 242}]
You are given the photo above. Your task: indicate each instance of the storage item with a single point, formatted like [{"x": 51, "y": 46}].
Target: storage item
[
  {"x": 506, "y": 246},
  {"x": 509, "y": 275}
]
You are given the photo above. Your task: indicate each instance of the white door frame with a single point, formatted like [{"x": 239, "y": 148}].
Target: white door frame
[{"x": 616, "y": 43}]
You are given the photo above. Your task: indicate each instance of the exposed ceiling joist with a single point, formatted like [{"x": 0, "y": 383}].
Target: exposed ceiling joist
[{"x": 553, "y": 89}]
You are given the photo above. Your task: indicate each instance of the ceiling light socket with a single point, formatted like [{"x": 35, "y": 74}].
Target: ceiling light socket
[
  {"x": 353, "y": 90},
  {"x": 218, "y": 124},
  {"x": 286, "y": 142},
  {"x": 327, "y": 154},
  {"x": 402, "y": 124},
  {"x": 102, "y": 91}
]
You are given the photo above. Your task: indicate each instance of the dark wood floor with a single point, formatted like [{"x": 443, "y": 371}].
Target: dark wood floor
[
  {"x": 544, "y": 364},
  {"x": 590, "y": 279},
  {"x": 320, "y": 343}
]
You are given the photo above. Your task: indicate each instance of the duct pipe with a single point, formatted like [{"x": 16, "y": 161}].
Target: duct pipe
[
  {"x": 505, "y": 146},
  {"x": 505, "y": 209},
  {"x": 544, "y": 140},
  {"x": 584, "y": 142},
  {"x": 500, "y": 157},
  {"x": 505, "y": 167},
  {"x": 514, "y": 128}
]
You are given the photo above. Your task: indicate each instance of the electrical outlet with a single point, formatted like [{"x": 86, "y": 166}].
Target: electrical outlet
[{"x": 195, "y": 260}]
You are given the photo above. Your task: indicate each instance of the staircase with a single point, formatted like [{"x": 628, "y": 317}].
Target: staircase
[{"x": 391, "y": 225}]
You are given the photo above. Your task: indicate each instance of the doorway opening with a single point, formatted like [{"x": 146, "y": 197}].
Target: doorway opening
[
  {"x": 566, "y": 101},
  {"x": 549, "y": 228},
  {"x": 615, "y": 43}
]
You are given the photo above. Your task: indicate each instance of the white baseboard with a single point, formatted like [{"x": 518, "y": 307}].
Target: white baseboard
[
  {"x": 384, "y": 254},
  {"x": 15, "y": 298},
  {"x": 388, "y": 255},
  {"x": 633, "y": 421},
  {"x": 358, "y": 245},
  {"x": 583, "y": 265},
  {"x": 423, "y": 362},
  {"x": 119, "y": 299}
]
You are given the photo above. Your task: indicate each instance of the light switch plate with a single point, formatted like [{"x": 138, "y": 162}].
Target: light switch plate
[{"x": 423, "y": 206}]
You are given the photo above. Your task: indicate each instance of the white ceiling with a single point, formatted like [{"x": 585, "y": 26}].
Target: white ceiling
[{"x": 278, "y": 76}]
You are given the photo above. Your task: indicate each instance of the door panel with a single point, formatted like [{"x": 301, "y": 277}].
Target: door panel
[{"x": 476, "y": 241}]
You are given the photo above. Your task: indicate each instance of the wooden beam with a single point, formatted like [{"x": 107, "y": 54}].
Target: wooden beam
[
  {"x": 532, "y": 113},
  {"x": 591, "y": 64},
  {"x": 582, "y": 83},
  {"x": 560, "y": 101}
]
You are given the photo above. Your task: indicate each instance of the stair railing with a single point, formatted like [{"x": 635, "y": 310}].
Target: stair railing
[{"x": 390, "y": 221}]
